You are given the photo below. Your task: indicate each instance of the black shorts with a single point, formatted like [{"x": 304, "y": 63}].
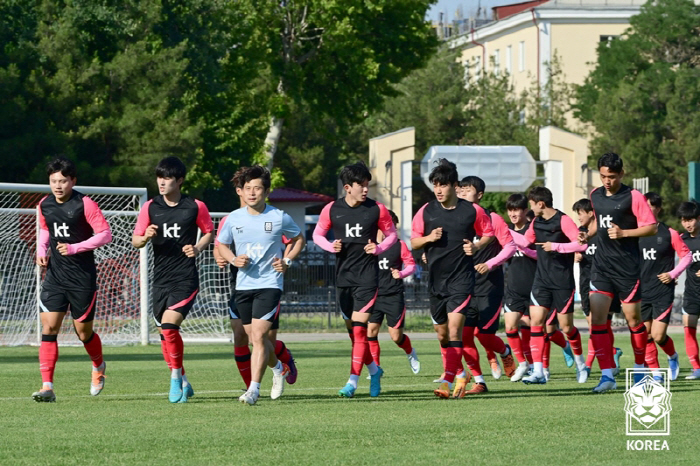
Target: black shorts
[
  {"x": 355, "y": 299},
  {"x": 232, "y": 308},
  {"x": 483, "y": 312},
  {"x": 262, "y": 304},
  {"x": 626, "y": 289},
  {"x": 440, "y": 306},
  {"x": 691, "y": 306},
  {"x": 514, "y": 302},
  {"x": 57, "y": 299},
  {"x": 658, "y": 309},
  {"x": 559, "y": 301},
  {"x": 393, "y": 306},
  {"x": 178, "y": 298}
]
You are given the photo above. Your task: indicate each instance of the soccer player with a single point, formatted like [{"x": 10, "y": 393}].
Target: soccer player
[
  {"x": 519, "y": 277},
  {"x": 355, "y": 220},
  {"x": 484, "y": 308},
  {"x": 622, "y": 217},
  {"x": 170, "y": 222},
  {"x": 658, "y": 281},
  {"x": 586, "y": 217},
  {"x": 390, "y": 299},
  {"x": 241, "y": 349},
  {"x": 73, "y": 226},
  {"x": 257, "y": 232},
  {"x": 689, "y": 213},
  {"x": 556, "y": 237},
  {"x": 445, "y": 227}
]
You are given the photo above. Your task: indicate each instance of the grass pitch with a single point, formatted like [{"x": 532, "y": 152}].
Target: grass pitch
[{"x": 132, "y": 422}]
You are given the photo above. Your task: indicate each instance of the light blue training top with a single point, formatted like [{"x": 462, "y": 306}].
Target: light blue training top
[{"x": 260, "y": 238}]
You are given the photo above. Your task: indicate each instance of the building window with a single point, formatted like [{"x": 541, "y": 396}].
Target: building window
[
  {"x": 509, "y": 59},
  {"x": 497, "y": 62},
  {"x": 521, "y": 51}
]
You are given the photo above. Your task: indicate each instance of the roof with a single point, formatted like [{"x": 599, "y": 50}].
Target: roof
[
  {"x": 500, "y": 12},
  {"x": 298, "y": 195}
]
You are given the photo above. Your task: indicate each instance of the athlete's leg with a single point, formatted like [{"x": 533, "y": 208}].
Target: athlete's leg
[
  {"x": 48, "y": 351},
  {"x": 638, "y": 332},
  {"x": 373, "y": 341},
  {"x": 241, "y": 350},
  {"x": 690, "y": 324},
  {"x": 538, "y": 316}
]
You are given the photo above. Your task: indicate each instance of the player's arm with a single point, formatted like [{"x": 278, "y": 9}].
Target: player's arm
[
  {"x": 102, "y": 234},
  {"x": 684, "y": 254},
  {"x": 569, "y": 229},
  {"x": 418, "y": 236},
  {"x": 322, "y": 228},
  {"x": 409, "y": 265},
  {"x": 505, "y": 239},
  {"x": 484, "y": 228},
  {"x": 207, "y": 228},
  {"x": 143, "y": 231},
  {"x": 386, "y": 225},
  {"x": 42, "y": 245},
  {"x": 646, "y": 222},
  {"x": 220, "y": 261},
  {"x": 296, "y": 243}
]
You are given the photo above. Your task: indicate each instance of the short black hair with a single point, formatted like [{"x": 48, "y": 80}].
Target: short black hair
[
  {"x": 355, "y": 173},
  {"x": 171, "y": 167},
  {"x": 236, "y": 180},
  {"x": 583, "y": 204},
  {"x": 654, "y": 199},
  {"x": 444, "y": 173},
  {"x": 530, "y": 215},
  {"x": 688, "y": 210},
  {"x": 63, "y": 165},
  {"x": 255, "y": 172},
  {"x": 611, "y": 161},
  {"x": 516, "y": 201},
  {"x": 393, "y": 216},
  {"x": 473, "y": 182},
  {"x": 541, "y": 194}
]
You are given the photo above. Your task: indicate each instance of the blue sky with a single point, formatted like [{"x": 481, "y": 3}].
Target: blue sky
[{"x": 469, "y": 7}]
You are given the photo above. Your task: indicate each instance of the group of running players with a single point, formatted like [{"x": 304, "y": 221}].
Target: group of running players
[{"x": 626, "y": 263}]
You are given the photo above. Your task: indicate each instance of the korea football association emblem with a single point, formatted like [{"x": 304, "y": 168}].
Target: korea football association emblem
[
  {"x": 648, "y": 402},
  {"x": 268, "y": 227}
]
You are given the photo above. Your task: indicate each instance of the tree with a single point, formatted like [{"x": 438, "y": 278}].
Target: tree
[{"x": 643, "y": 97}]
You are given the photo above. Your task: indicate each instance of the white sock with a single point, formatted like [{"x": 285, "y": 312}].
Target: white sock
[
  {"x": 277, "y": 370},
  {"x": 101, "y": 367},
  {"x": 254, "y": 387},
  {"x": 461, "y": 374},
  {"x": 639, "y": 366},
  {"x": 48, "y": 385},
  {"x": 523, "y": 364},
  {"x": 176, "y": 373},
  {"x": 479, "y": 379},
  {"x": 184, "y": 380},
  {"x": 508, "y": 351},
  {"x": 537, "y": 369},
  {"x": 372, "y": 368},
  {"x": 608, "y": 373},
  {"x": 656, "y": 373},
  {"x": 353, "y": 380},
  {"x": 580, "y": 361}
]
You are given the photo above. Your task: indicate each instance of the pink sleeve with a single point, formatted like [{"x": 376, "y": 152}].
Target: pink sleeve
[
  {"x": 42, "y": 246},
  {"x": 143, "y": 221},
  {"x": 218, "y": 230},
  {"x": 322, "y": 228},
  {"x": 531, "y": 253},
  {"x": 42, "y": 220},
  {"x": 505, "y": 239},
  {"x": 418, "y": 226},
  {"x": 94, "y": 216},
  {"x": 386, "y": 224},
  {"x": 482, "y": 224},
  {"x": 569, "y": 248},
  {"x": 505, "y": 254},
  {"x": 98, "y": 239},
  {"x": 409, "y": 265},
  {"x": 520, "y": 241},
  {"x": 641, "y": 210},
  {"x": 530, "y": 233},
  {"x": 203, "y": 218},
  {"x": 683, "y": 253},
  {"x": 569, "y": 228}
]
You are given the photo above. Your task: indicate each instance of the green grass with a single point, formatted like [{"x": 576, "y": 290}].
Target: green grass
[{"x": 131, "y": 422}]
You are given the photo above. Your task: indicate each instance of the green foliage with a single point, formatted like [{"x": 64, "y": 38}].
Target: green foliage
[{"x": 643, "y": 98}]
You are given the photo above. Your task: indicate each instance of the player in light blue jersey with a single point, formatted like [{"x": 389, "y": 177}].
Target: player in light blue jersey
[{"x": 257, "y": 231}]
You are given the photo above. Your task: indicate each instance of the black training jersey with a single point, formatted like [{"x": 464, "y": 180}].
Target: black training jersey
[
  {"x": 494, "y": 278},
  {"x": 395, "y": 257},
  {"x": 587, "y": 260},
  {"x": 451, "y": 271},
  {"x": 355, "y": 227},
  {"x": 177, "y": 227},
  {"x": 658, "y": 256},
  {"x": 554, "y": 270},
  {"x": 692, "y": 281},
  {"x": 628, "y": 209},
  {"x": 521, "y": 269},
  {"x": 71, "y": 222}
]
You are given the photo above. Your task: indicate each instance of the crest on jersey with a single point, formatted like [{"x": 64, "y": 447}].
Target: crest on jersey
[
  {"x": 268, "y": 226},
  {"x": 648, "y": 403}
]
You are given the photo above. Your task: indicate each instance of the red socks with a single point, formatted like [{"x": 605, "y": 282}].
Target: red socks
[
  {"x": 282, "y": 352},
  {"x": 374, "y": 349},
  {"x": 453, "y": 359},
  {"x": 514, "y": 342},
  {"x": 492, "y": 343},
  {"x": 360, "y": 348},
  {"x": 591, "y": 353},
  {"x": 601, "y": 343},
  {"x": 651, "y": 355},
  {"x": 546, "y": 352},
  {"x": 93, "y": 346},
  {"x": 469, "y": 351},
  {"x": 242, "y": 356},
  {"x": 164, "y": 349},
  {"x": 174, "y": 344},
  {"x": 574, "y": 337},
  {"x": 668, "y": 346},
  {"x": 537, "y": 343},
  {"x": 691, "y": 347},
  {"x": 610, "y": 331},
  {"x": 557, "y": 338},
  {"x": 639, "y": 336},
  {"x": 404, "y": 344},
  {"x": 525, "y": 339},
  {"x": 48, "y": 355}
]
